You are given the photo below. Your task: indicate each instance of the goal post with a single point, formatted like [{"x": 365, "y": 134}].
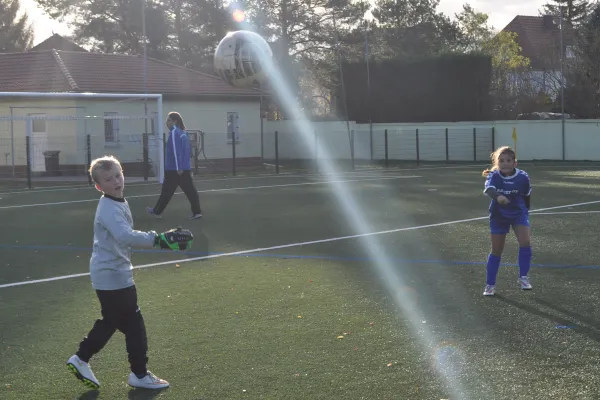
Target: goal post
[{"x": 76, "y": 127}]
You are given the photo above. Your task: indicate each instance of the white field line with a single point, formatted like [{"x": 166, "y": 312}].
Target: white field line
[
  {"x": 263, "y": 176},
  {"x": 66, "y": 188},
  {"x": 136, "y": 184},
  {"x": 285, "y": 246},
  {"x": 291, "y": 175},
  {"x": 379, "y": 178},
  {"x": 565, "y": 212}
]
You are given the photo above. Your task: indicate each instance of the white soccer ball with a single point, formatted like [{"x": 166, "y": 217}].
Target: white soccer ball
[{"x": 240, "y": 59}]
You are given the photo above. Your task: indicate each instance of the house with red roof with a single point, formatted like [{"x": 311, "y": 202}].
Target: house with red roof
[
  {"x": 540, "y": 40},
  {"x": 57, "y": 65}
]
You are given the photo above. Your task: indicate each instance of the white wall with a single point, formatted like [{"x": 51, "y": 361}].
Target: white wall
[
  {"x": 211, "y": 118},
  {"x": 334, "y": 140},
  {"x": 128, "y": 131},
  {"x": 207, "y": 116},
  {"x": 536, "y": 140},
  {"x": 583, "y": 140},
  {"x": 59, "y": 134},
  {"x": 70, "y": 136}
]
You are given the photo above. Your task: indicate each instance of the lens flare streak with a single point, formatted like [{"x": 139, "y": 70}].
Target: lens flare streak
[{"x": 386, "y": 269}]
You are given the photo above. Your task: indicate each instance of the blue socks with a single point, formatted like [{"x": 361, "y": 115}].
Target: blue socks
[
  {"x": 524, "y": 260},
  {"x": 493, "y": 265}
]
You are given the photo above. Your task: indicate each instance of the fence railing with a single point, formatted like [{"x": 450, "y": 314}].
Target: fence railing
[
  {"x": 57, "y": 157},
  {"x": 438, "y": 144},
  {"x": 43, "y": 158}
]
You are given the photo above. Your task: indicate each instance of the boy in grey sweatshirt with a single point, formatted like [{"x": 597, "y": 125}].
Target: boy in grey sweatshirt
[{"x": 111, "y": 273}]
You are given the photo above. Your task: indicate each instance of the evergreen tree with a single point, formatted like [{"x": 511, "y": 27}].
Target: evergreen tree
[
  {"x": 574, "y": 11},
  {"x": 582, "y": 91},
  {"x": 409, "y": 28},
  {"x": 307, "y": 38},
  {"x": 184, "y": 32},
  {"x": 112, "y": 26},
  {"x": 16, "y": 33}
]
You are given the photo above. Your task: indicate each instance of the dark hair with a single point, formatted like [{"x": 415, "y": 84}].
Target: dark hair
[
  {"x": 176, "y": 117},
  {"x": 495, "y": 157}
]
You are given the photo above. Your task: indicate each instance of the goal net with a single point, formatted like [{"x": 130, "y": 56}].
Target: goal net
[{"x": 48, "y": 135}]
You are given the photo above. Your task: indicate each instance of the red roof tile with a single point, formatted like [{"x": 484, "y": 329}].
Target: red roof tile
[
  {"x": 31, "y": 72},
  {"x": 74, "y": 71}
]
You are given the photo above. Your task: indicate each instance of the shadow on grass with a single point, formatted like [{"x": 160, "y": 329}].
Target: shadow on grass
[
  {"x": 144, "y": 394},
  {"x": 201, "y": 242},
  {"x": 592, "y": 332},
  {"x": 91, "y": 395},
  {"x": 593, "y": 323}
]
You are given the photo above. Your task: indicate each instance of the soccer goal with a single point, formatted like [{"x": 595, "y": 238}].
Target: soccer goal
[{"x": 58, "y": 134}]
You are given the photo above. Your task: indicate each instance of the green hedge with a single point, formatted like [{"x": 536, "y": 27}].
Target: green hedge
[{"x": 450, "y": 87}]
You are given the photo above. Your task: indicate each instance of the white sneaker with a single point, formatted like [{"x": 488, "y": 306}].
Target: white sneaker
[
  {"x": 524, "y": 282},
  {"x": 489, "y": 290},
  {"x": 150, "y": 381},
  {"x": 83, "y": 372}
]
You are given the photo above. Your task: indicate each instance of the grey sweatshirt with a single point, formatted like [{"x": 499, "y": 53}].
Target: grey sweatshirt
[{"x": 114, "y": 236}]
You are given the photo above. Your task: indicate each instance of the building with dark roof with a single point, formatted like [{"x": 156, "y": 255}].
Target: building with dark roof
[
  {"x": 206, "y": 103},
  {"x": 57, "y": 42},
  {"x": 539, "y": 38}
]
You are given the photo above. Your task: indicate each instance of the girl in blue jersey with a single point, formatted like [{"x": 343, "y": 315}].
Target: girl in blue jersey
[{"x": 510, "y": 190}]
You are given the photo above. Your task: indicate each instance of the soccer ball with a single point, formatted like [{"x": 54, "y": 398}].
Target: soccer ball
[{"x": 240, "y": 59}]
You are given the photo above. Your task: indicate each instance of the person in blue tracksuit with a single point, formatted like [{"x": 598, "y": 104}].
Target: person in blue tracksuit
[
  {"x": 510, "y": 191},
  {"x": 178, "y": 170}
]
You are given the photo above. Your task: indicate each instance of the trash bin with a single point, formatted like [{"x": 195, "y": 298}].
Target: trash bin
[{"x": 52, "y": 164}]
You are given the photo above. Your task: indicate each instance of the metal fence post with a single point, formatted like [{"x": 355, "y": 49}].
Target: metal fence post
[
  {"x": 447, "y": 149},
  {"x": 474, "y": 144},
  {"x": 145, "y": 155},
  {"x": 316, "y": 151},
  {"x": 233, "y": 152},
  {"x": 386, "y": 148},
  {"x": 277, "y": 152},
  {"x": 418, "y": 152},
  {"x": 28, "y": 149},
  {"x": 89, "y": 158},
  {"x": 352, "y": 147}
]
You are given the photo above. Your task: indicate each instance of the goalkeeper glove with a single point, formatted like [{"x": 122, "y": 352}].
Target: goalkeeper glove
[{"x": 174, "y": 239}]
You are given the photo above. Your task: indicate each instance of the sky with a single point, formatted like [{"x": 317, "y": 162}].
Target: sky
[{"x": 501, "y": 12}]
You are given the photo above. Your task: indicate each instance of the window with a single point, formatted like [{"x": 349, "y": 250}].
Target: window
[
  {"x": 233, "y": 127},
  {"x": 38, "y": 125},
  {"x": 111, "y": 128}
]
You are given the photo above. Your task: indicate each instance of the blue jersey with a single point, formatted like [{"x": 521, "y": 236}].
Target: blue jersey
[{"x": 514, "y": 187}]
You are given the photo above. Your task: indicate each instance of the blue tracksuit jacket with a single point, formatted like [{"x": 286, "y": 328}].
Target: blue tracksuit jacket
[{"x": 179, "y": 152}]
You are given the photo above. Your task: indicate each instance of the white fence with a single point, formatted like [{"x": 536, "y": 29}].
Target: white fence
[{"x": 461, "y": 141}]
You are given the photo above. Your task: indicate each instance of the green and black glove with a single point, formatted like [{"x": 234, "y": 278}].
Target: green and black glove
[{"x": 174, "y": 239}]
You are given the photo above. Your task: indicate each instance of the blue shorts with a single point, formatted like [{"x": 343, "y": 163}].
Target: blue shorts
[{"x": 500, "y": 225}]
